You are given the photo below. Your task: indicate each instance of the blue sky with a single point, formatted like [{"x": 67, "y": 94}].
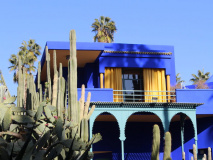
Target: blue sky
[{"x": 187, "y": 25}]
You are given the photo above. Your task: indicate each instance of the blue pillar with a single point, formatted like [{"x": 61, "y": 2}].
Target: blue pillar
[
  {"x": 122, "y": 147},
  {"x": 182, "y": 118},
  {"x": 91, "y": 122}
]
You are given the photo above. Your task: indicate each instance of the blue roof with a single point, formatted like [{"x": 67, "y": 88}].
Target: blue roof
[{"x": 110, "y": 46}]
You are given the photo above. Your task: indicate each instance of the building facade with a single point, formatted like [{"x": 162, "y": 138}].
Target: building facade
[{"x": 132, "y": 88}]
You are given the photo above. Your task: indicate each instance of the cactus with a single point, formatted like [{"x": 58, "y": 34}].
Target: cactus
[
  {"x": 55, "y": 80},
  {"x": 20, "y": 84},
  {"x": 73, "y": 104},
  {"x": 85, "y": 114},
  {"x": 155, "y": 143},
  {"x": 209, "y": 154},
  {"x": 183, "y": 156},
  {"x": 194, "y": 152},
  {"x": 7, "y": 120},
  {"x": 37, "y": 129},
  {"x": 61, "y": 93},
  {"x": 168, "y": 146},
  {"x": 4, "y": 84},
  {"x": 204, "y": 157},
  {"x": 48, "y": 73}
]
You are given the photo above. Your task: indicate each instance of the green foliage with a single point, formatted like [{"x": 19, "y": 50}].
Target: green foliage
[
  {"x": 41, "y": 138},
  {"x": 3, "y": 83},
  {"x": 201, "y": 76},
  {"x": 28, "y": 53},
  {"x": 104, "y": 29},
  {"x": 155, "y": 143},
  {"x": 6, "y": 120},
  {"x": 167, "y": 146},
  {"x": 40, "y": 128},
  {"x": 179, "y": 79}
]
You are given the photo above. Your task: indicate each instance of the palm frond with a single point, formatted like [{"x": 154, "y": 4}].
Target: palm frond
[{"x": 104, "y": 29}]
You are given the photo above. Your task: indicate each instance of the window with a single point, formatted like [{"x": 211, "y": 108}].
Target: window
[{"x": 132, "y": 79}]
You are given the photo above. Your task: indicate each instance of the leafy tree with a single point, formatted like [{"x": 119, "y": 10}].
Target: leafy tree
[
  {"x": 178, "y": 79},
  {"x": 104, "y": 29},
  {"x": 28, "y": 53},
  {"x": 201, "y": 76}
]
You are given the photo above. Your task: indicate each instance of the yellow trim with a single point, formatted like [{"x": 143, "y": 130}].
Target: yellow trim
[
  {"x": 168, "y": 86},
  {"x": 101, "y": 80}
]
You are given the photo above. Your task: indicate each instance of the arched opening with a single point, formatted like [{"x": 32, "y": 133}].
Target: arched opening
[
  {"x": 109, "y": 148},
  {"x": 139, "y": 134},
  {"x": 188, "y": 135}
]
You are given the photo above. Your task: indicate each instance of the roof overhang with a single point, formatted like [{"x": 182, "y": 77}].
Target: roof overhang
[
  {"x": 83, "y": 57},
  {"x": 123, "y": 105},
  {"x": 88, "y": 52}
]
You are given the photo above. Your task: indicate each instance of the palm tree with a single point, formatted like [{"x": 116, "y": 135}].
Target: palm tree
[
  {"x": 28, "y": 53},
  {"x": 201, "y": 76},
  {"x": 104, "y": 29},
  {"x": 178, "y": 79}
]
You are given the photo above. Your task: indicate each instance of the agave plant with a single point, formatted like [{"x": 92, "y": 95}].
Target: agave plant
[{"x": 42, "y": 127}]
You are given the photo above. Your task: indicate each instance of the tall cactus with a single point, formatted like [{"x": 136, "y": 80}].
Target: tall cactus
[
  {"x": 73, "y": 103},
  {"x": 51, "y": 133},
  {"x": 4, "y": 83},
  {"x": 39, "y": 86},
  {"x": 55, "y": 80},
  {"x": 209, "y": 154},
  {"x": 168, "y": 146},
  {"x": 49, "y": 90},
  {"x": 155, "y": 143},
  {"x": 20, "y": 84},
  {"x": 204, "y": 157},
  {"x": 194, "y": 152},
  {"x": 183, "y": 156},
  {"x": 85, "y": 114},
  {"x": 61, "y": 93}
]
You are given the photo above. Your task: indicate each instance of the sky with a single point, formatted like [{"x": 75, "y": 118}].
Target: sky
[{"x": 185, "y": 24}]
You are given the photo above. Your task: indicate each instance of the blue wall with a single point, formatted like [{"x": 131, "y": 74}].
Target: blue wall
[
  {"x": 205, "y": 140},
  {"x": 91, "y": 75},
  {"x": 128, "y": 61},
  {"x": 197, "y": 96},
  {"x": 91, "y": 72},
  {"x": 138, "y": 141},
  {"x": 98, "y": 94}
]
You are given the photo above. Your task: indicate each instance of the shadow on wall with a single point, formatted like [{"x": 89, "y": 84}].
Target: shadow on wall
[
  {"x": 205, "y": 140},
  {"x": 138, "y": 131},
  {"x": 110, "y": 146},
  {"x": 138, "y": 60},
  {"x": 197, "y": 96}
]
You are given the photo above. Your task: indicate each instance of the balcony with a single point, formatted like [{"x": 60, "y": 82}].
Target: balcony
[
  {"x": 110, "y": 95},
  {"x": 143, "y": 96}
]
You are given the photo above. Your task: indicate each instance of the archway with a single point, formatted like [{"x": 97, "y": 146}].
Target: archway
[
  {"x": 109, "y": 148},
  {"x": 139, "y": 134},
  {"x": 182, "y": 132}
]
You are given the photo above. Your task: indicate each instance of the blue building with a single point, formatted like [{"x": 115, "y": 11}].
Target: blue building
[{"x": 131, "y": 86}]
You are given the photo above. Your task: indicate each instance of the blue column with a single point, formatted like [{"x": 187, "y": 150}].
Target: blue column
[
  {"x": 182, "y": 118},
  {"x": 91, "y": 122},
  {"x": 122, "y": 147},
  {"x": 194, "y": 122}
]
